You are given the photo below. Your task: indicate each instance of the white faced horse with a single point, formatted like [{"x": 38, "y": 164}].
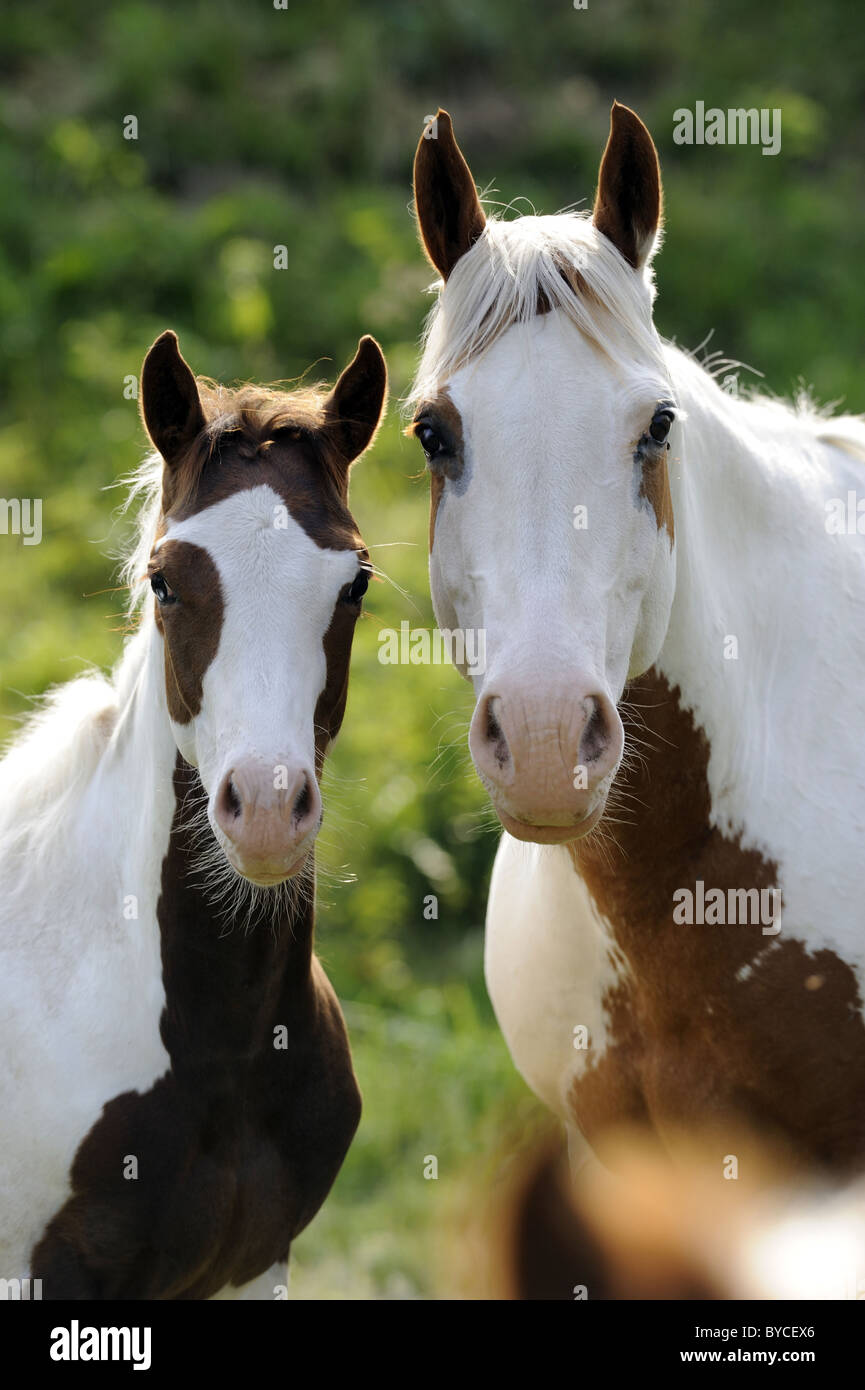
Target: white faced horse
[
  {"x": 670, "y": 723},
  {"x": 177, "y": 1091}
]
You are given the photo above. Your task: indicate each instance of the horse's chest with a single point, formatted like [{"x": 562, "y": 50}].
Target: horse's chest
[
  {"x": 243, "y": 1176},
  {"x": 731, "y": 1002},
  {"x": 718, "y": 1020},
  {"x": 626, "y": 992},
  {"x": 203, "y": 1181}
]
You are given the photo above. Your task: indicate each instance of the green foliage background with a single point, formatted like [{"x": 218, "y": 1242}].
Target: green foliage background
[{"x": 261, "y": 126}]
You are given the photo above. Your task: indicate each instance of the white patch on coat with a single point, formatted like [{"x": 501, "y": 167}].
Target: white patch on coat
[
  {"x": 550, "y": 962},
  {"x": 279, "y": 590}
]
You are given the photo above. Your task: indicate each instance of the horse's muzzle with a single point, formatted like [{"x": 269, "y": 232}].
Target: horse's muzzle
[
  {"x": 268, "y": 815},
  {"x": 547, "y": 757}
]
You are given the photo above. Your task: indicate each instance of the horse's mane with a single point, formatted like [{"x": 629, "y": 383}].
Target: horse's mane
[
  {"x": 562, "y": 262},
  {"x": 252, "y": 416},
  {"x": 559, "y": 262}
]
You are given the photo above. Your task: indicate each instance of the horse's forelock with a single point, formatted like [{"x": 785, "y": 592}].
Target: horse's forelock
[
  {"x": 527, "y": 265},
  {"x": 251, "y": 418}
]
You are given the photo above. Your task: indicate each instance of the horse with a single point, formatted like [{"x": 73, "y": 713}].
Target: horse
[
  {"x": 669, "y": 721},
  {"x": 656, "y": 1230},
  {"x": 178, "y": 1094}
]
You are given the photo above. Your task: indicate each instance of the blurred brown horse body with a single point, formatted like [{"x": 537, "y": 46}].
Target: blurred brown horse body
[{"x": 739, "y": 1227}]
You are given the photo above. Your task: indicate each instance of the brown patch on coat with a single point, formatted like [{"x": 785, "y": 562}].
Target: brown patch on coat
[
  {"x": 441, "y": 413},
  {"x": 655, "y": 488},
  {"x": 690, "y": 1040},
  {"x": 191, "y": 627},
  {"x": 240, "y": 1141},
  {"x": 330, "y": 706}
]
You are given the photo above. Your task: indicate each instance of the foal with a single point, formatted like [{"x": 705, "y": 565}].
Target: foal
[{"x": 178, "y": 1094}]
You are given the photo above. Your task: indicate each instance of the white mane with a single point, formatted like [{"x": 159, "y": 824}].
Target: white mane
[
  {"x": 50, "y": 761},
  {"x": 498, "y": 284},
  {"x": 145, "y": 490},
  {"x": 499, "y": 281}
]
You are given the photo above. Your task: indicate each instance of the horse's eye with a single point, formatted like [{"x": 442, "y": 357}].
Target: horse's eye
[
  {"x": 431, "y": 442},
  {"x": 356, "y": 590},
  {"x": 161, "y": 590},
  {"x": 661, "y": 424}
]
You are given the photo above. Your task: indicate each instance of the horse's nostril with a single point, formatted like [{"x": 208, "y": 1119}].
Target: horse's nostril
[
  {"x": 595, "y": 735},
  {"x": 495, "y": 734},
  {"x": 303, "y": 803},
  {"x": 231, "y": 799}
]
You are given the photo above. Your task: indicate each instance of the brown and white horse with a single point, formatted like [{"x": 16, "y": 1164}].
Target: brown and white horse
[
  {"x": 670, "y": 720},
  {"x": 177, "y": 1092}
]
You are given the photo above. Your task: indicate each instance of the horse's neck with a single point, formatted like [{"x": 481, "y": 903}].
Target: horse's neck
[
  {"x": 725, "y": 727},
  {"x": 756, "y": 577},
  {"x": 740, "y": 503},
  {"x": 235, "y": 968}
]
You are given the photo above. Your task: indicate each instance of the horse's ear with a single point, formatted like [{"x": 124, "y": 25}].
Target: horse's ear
[
  {"x": 170, "y": 404},
  {"x": 355, "y": 406},
  {"x": 448, "y": 208},
  {"x": 628, "y": 201}
]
